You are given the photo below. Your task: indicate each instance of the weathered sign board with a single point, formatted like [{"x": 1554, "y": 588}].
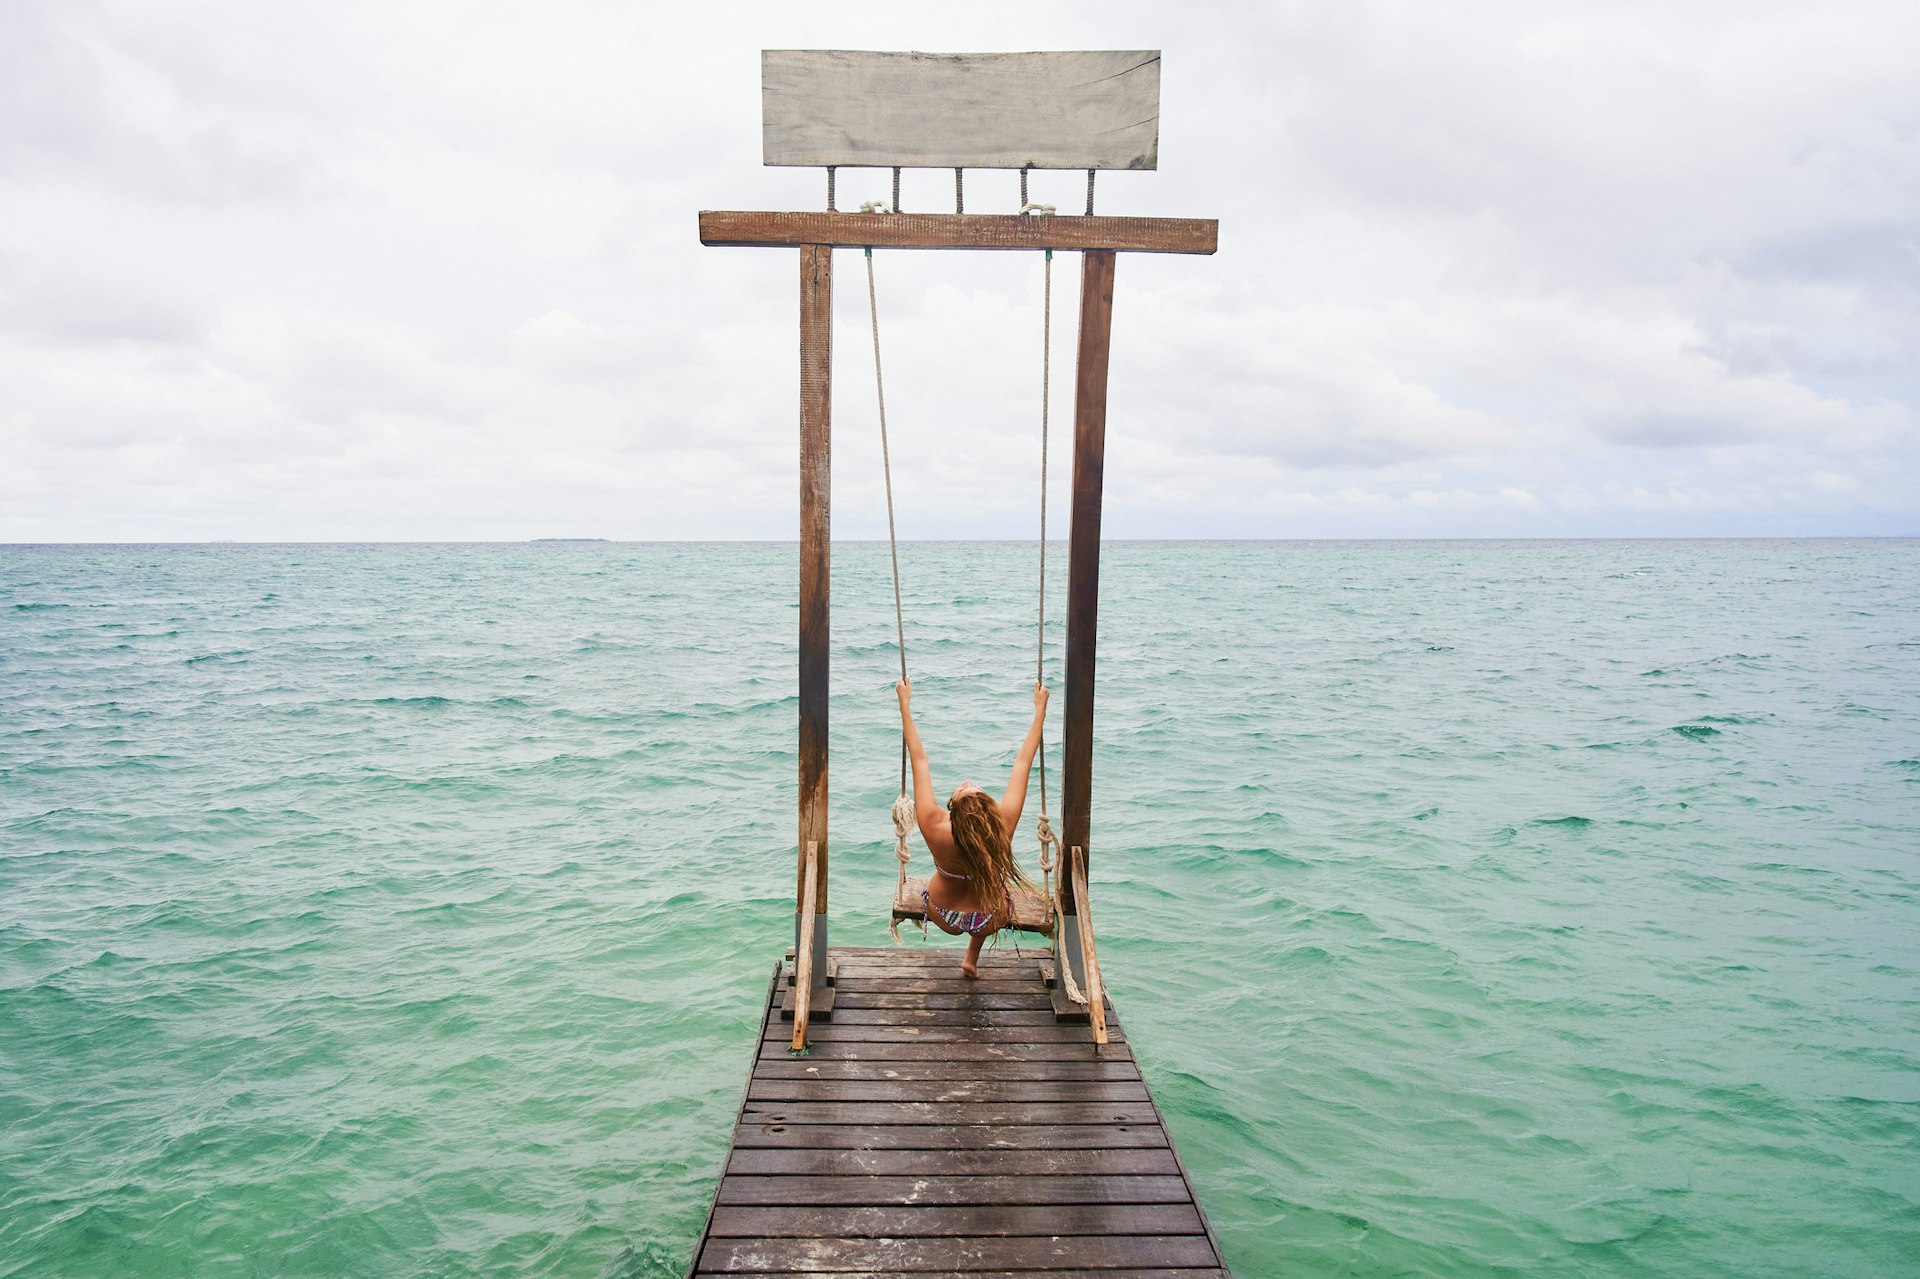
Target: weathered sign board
[{"x": 1079, "y": 110}]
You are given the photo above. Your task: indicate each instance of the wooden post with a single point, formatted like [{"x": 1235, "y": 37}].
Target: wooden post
[
  {"x": 816, "y": 400},
  {"x": 1083, "y": 579}
]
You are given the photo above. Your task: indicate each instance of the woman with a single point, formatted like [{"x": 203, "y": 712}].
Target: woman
[{"x": 971, "y": 839}]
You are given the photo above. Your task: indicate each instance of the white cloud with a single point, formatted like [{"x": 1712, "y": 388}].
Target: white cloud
[{"x": 417, "y": 270}]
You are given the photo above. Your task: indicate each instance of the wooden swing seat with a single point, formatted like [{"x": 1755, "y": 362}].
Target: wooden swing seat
[{"x": 1032, "y": 913}]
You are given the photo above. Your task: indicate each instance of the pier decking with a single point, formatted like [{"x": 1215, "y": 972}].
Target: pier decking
[{"x": 944, "y": 1127}]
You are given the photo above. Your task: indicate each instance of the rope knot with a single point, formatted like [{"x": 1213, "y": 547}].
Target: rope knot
[
  {"x": 1048, "y": 841},
  {"x": 902, "y": 817}
]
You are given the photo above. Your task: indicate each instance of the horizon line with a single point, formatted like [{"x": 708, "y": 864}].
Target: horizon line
[{"x": 880, "y": 541}]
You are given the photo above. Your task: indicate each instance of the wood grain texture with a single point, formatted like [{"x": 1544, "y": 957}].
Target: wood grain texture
[
  {"x": 1092, "y": 1071},
  {"x": 950, "y": 1190},
  {"x": 1083, "y": 551},
  {"x": 1135, "y": 1162},
  {"x": 1127, "y": 1272},
  {"x": 955, "y": 1137},
  {"x": 956, "y": 1254},
  {"x": 802, "y": 996},
  {"x": 916, "y": 1220},
  {"x": 959, "y": 231},
  {"x": 834, "y": 1032},
  {"x": 944, "y": 1090},
  {"x": 963, "y": 1138},
  {"x": 1095, "y": 109},
  {"x": 997, "y": 1050},
  {"x": 1089, "y": 954},
  {"x": 816, "y": 473}
]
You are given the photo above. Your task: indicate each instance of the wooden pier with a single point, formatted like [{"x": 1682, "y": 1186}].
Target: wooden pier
[
  {"x": 902, "y": 1119},
  {"x": 939, "y": 1126}
]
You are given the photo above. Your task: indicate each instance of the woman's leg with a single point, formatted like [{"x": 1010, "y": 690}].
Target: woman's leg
[{"x": 971, "y": 964}]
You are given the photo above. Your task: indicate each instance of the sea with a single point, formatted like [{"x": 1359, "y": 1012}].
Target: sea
[{"x": 1474, "y": 908}]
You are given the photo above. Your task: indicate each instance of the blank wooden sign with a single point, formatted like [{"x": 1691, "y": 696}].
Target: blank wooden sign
[{"x": 1092, "y": 110}]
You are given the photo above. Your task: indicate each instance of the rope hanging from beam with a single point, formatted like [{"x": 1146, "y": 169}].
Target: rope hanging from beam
[
  {"x": 902, "y": 812},
  {"x": 902, "y": 804}
]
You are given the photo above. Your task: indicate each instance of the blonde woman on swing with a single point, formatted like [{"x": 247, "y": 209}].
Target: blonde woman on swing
[{"x": 971, "y": 839}]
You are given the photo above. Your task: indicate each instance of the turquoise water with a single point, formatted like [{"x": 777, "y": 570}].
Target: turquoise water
[{"x": 1539, "y": 907}]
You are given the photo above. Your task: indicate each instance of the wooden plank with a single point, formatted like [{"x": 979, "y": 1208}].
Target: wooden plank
[
  {"x": 939, "y": 1001},
  {"x": 947, "y": 964},
  {"x": 1083, "y": 551},
  {"x": 945, "y": 981},
  {"x": 1182, "y": 1273},
  {"x": 894, "y": 1113},
  {"x": 828, "y": 1221},
  {"x": 1014, "y": 1165},
  {"x": 843, "y": 1090},
  {"x": 1032, "y": 913},
  {"x": 977, "y": 1018},
  {"x": 957, "y": 1137},
  {"x": 830, "y": 1033},
  {"x": 962, "y": 1254},
  {"x": 946, "y": 1191},
  {"x": 1094, "y": 109},
  {"x": 943, "y": 999},
  {"x": 816, "y": 578},
  {"x": 894, "y": 956},
  {"x": 959, "y": 1116},
  {"x": 995, "y": 1274},
  {"x": 789, "y": 973},
  {"x": 820, "y": 1010},
  {"x": 761, "y": 229},
  {"x": 1046, "y": 1071}
]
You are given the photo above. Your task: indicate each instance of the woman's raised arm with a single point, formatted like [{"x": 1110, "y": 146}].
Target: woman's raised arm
[
  {"x": 1016, "y": 797},
  {"x": 926, "y": 809}
]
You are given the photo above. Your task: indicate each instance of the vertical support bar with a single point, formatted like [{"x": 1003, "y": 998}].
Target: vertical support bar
[
  {"x": 803, "y": 967},
  {"x": 1089, "y": 956},
  {"x": 1083, "y": 575},
  {"x": 816, "y": 399}
]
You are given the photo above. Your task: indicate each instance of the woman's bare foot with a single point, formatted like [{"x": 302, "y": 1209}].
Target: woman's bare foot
[{"x": 968, "y": 968}]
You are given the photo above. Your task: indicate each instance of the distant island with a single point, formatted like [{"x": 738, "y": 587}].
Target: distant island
[{"x": 568, "y": 539}]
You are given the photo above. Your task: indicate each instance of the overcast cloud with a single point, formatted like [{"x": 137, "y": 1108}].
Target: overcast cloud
[{"x": 414, "y": 270}]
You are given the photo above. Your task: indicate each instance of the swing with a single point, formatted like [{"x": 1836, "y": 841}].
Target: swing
[{"x": 1032, "y": 912}]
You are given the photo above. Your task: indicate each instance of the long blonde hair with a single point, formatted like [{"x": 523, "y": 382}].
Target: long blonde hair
[{"x": 981, "y": 845}]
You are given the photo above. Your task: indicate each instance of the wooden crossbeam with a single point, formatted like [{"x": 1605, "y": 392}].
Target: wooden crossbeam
[{"x": 960, "y": 231}]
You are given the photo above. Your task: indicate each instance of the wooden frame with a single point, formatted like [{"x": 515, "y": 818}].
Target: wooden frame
[
  {"x": 1083, "y": 576},
  {"x": 787, "y": 124},
  {"x": 959, "y": 231}
]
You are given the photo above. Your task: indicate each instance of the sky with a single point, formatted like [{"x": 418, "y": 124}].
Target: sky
[{"x": 430, "y": 271}]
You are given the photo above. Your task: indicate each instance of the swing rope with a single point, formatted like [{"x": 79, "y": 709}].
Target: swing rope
[
  {"x": 902, "y": 805},
  {"x": 1043, "y": 828}
]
